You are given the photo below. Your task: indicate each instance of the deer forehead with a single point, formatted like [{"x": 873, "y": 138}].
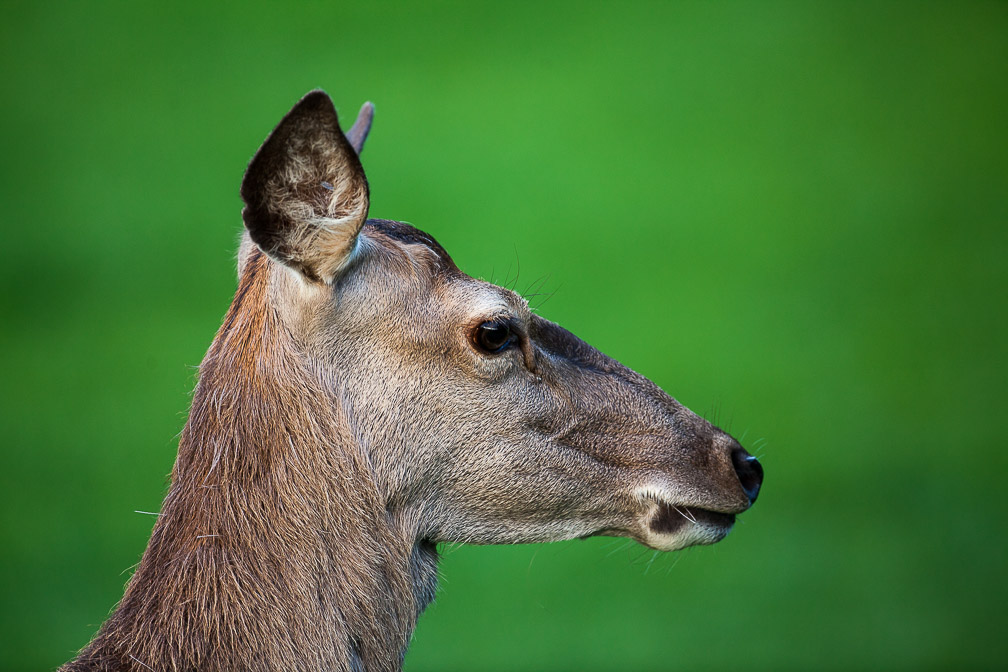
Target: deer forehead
[
  {"x": 421, "y": 278},
  {"x": 482, "y": 300},
  {"x": 392, "y": 305}
]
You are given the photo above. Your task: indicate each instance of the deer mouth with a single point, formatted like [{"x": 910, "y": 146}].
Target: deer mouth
[{"x": 673, "y": 526}]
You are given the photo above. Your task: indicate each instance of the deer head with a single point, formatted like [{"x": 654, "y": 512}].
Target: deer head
[{"x": 483, "y": 422}]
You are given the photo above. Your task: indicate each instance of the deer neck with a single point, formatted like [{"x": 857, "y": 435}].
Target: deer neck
[{"x": 273, "y": 549}]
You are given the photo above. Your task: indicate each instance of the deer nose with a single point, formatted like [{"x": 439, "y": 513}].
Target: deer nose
[{"x": 749, "y": 472}]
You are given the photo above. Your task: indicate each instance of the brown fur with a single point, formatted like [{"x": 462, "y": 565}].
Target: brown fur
[
  {"x": 346, "y": 420},
  {"x": 273, "y": 550}
]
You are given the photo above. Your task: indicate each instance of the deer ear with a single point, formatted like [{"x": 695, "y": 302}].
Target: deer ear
[
  {"x": 359, "y": 131},
  {"x": 305, "y": 193}
]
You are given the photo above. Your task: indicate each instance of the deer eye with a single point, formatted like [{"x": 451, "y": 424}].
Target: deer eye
[{"x": 493, "y": 336}]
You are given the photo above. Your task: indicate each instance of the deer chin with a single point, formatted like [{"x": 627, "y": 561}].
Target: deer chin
[{"x": 670, "y": 527}]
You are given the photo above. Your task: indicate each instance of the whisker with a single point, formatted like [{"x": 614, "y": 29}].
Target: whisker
[
  {"x": 548, "y": 297},
  {"x": 654, "y": 555},
  {"x": 675, "y": 561},
  {"x": 690, "y": 518},
  {"x": 531, "y": 560},
  {"x": 623, "y": 546},
  {"x": 536, "y": 285}
]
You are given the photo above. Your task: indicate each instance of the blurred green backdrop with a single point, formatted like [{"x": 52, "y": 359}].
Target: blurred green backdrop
[{"x": 790, "y": 215}]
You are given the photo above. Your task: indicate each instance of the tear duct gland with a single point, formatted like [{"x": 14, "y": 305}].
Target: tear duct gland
[{"x": 363, "y": 400}]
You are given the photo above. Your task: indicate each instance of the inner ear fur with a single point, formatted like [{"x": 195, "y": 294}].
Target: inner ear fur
[{"x": 305, "y": 193}]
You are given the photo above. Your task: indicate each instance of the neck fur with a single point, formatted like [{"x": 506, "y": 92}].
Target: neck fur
[{"x": 274, "y": 549}]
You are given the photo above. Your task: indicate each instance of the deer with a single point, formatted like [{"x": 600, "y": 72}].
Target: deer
[{"x": 363, "y": 401}]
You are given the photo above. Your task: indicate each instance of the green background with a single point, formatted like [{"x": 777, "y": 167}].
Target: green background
[{"x": 792, "y": 216}]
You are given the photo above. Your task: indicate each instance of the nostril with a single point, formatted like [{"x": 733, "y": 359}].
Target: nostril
[{"x": 749, "y": 471}]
